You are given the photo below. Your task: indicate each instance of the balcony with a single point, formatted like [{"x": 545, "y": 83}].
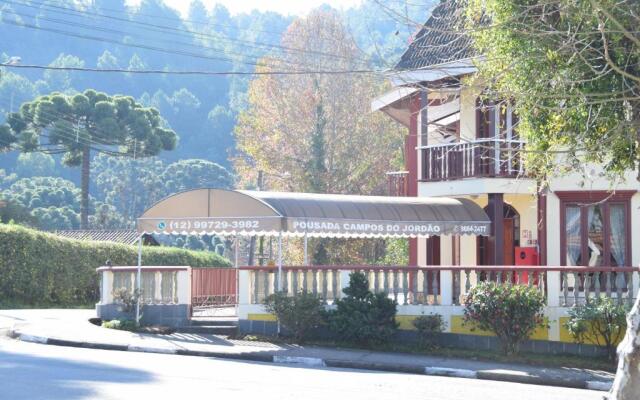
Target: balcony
[
  {"x": 397, "y": 182},
  {"x": 482, "y": 158}
]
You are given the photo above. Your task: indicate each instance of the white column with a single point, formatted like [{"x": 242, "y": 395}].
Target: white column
[
  {"x": 446, "y": 277},
  {"x": 106, "y": 293},
  {"x": 279, "y": 277},
  {"x": 157, "y": 295},
  {"x": 184, "y": 286}
]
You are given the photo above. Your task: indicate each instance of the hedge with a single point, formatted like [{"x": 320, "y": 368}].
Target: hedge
[{"x": 44, "y": 270}]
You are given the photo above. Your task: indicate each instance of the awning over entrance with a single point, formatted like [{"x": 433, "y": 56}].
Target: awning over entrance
[{"x": 241, "y": 212}]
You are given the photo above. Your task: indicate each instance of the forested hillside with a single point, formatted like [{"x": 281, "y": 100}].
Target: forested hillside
[{"x": 203, "y": 109}]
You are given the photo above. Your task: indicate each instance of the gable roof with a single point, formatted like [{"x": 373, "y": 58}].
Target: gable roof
[{"x": 441, "y": 39}]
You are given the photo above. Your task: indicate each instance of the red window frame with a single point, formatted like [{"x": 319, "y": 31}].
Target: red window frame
[{"x": 584, "y": 199}]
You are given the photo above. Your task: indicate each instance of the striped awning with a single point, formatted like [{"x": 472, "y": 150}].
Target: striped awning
[{"x": 241, "y": 212}]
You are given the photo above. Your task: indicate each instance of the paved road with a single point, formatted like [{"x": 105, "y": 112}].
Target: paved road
[{"x": 34, "y": 371}]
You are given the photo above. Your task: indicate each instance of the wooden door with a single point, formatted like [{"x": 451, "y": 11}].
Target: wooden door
[{"x": 508, "y": 242}]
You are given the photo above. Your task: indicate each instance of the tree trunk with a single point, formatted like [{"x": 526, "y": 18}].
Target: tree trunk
[
  {"x": 84, "y": 202},
  {"x": 627, "y": 383}
]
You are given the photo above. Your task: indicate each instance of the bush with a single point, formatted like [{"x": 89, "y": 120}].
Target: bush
[
  {"x": 601, "y": 321},
  {"x": 299, "y": 314},
  {"x": 44, "y": 270},
  {"x": 428, "y": 327},
  {"x": 120, "y": 324},
  {"x": 511, "y": 312},
  {"x": 363, "y": 317}
]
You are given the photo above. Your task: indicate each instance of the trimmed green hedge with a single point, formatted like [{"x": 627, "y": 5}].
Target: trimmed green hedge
[{"x": 41, "y": 269}]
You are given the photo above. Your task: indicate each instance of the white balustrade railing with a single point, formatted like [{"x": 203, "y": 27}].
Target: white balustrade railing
[{"x": 448, "y": 285}]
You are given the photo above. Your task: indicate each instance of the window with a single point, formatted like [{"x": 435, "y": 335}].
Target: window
[{"x": 596, "y": 228}]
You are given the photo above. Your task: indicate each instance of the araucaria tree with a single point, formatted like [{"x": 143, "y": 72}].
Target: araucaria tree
[{"x": 85, "y": 123}]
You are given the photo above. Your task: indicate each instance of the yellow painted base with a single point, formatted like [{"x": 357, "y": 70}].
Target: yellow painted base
[
  {"x": 457, "y": 326},
  {"x": 261, "y": 317}
]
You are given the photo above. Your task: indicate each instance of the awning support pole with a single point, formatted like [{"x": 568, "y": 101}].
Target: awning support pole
[
  {"x": 139, "y": 285},
  {"x": 236, "y": 262},
  {"x": 279, "y": 261},
  {"x": 306, "y": 254}
]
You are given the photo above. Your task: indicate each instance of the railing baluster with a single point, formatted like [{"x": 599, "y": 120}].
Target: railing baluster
[
  {"x": 498, "y": 277},
  {"x": 467, "y": 281},
  {"x": 596, "y": 282},
  {"x": 576, "y": 287},
  {"x": 256, "y": 283},
  {"x": 304, "y": 280},
  {"x": 607, "y": 284},
  {"x": 414, "y": 287},
  {"x": 619, "y": 278},
  {"x": 629, "y": 280},
  {"x": 314, "y": 282},
  {"x": 565, "y": 288},
  {"x": 376, "y": 281},
  {"x": 587, "y": 286},
  {"x": 325, "y": 296},
  {"x": 520, "y": 277},
  {"x": 509, "y": 280},
  {"x": 294, "y": 280},
  {"x": 435, "y": 279},
  {"x": 405, "y": 287},
  {"x": 395, "y": 285},
  {"x": 266, "y": 284},
  {"x": 385, "y": 280},
  {"x": 334, "y": 284},
  {"x": 425, "y": 286}
]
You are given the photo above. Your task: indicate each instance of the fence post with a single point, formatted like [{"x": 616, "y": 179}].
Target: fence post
[
  {"x": 244, "y": 287},
  {"x": 446, "y": 287}
]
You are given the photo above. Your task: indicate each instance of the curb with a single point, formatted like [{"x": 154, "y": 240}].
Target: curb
[{"x": 333, "y": 363}]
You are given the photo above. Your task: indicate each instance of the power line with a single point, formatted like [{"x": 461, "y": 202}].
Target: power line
[
  {"x": 180, "y": 32},
  {"x": 212, "y": 73}
]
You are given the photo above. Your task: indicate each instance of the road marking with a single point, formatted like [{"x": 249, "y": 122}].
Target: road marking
[
  {"x": 309, "y": 361},
  {"x": 455, "y": 372}
]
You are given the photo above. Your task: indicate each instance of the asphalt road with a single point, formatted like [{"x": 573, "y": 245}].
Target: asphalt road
[{"x": 35, "y": 371}]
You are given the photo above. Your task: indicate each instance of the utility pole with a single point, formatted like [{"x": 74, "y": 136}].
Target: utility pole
[{"x": 252, "y": 242}]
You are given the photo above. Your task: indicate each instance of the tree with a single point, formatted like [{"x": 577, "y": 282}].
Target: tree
[
  {"x": 314, "y": 132},
  {"x": 194, "y": 174},
  {"x": 35, "y": 164},
  {"x": 573, "y": 70},
  {"x": 89, "y": 121}
]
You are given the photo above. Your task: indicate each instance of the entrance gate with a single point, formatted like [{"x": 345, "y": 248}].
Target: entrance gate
[{"x": 213, "y": 289}]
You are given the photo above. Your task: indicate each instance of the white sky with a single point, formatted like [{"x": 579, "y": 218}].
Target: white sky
[{"x": 286, "y": 7}]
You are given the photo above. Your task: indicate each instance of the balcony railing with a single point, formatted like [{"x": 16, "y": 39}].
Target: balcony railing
[
  {"x": 448, "y": 285},
  {"x": 483, "y": 158},
  {"x": 397, "y": 181}
]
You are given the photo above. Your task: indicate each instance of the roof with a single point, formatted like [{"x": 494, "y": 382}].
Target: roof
[
  {"x": 441, "y": 40},
  {"x": 242, "y": 212},
  {"x": 126, "y": 236}
]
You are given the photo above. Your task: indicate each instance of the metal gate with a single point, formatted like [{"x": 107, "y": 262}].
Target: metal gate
[{"x": 213, "y": 288}]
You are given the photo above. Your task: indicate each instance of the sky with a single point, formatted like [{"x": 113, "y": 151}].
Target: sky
[{"x": 286, "y": 7}]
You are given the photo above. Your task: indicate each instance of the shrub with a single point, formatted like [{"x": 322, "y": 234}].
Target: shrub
[
  {"x": 299, "y": 314},
  {"x": 428, "y": 327},
  {"x": 600, "y": 321},
  {"x": 120, "y": 324},
  {"x": 511, "y": 312},
  {"x": 41, "y": 269},
  {"x": 126, "y": 299},
  {"x": 363, "y": 317}
]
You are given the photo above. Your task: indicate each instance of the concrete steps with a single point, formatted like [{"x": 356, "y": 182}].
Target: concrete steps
[{"x": 212, "y": 326}]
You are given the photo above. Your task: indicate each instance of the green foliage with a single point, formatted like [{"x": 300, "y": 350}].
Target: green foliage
[
  {"x": 601, "y": 321},
  {"x": 569, "y": 66},
  {"x": 35, "y": 164},
  {"x": 363, "y": 317},
  {"x": 192, "y": 174},
  {"x": 298, "y": 314},
  {"x": 428, "y": 327},
  {"x": 512, "y": 312},
  {"x": 121, "y": 325},
  {"x": 12, "y": 212},
  {"x": 396, "y": 252},
  {"x": 40, "y": 269}
]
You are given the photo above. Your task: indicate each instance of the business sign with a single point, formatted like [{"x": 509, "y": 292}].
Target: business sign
[{"x": 384, "y": 228}]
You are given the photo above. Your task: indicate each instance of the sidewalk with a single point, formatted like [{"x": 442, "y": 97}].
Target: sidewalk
[{"x": 71, "y": 328}]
